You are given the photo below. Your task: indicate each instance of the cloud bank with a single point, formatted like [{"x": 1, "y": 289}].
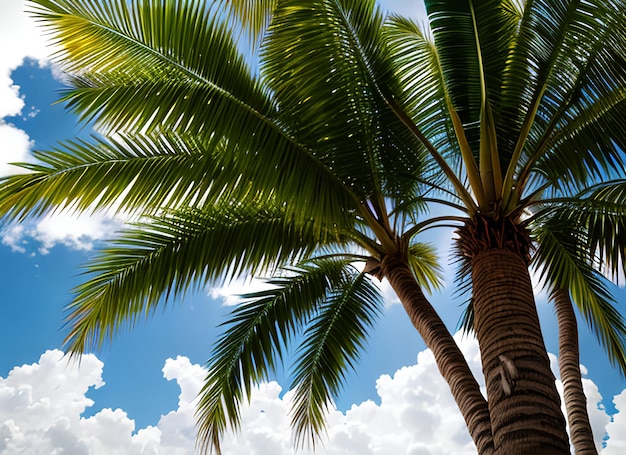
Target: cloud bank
[
  {"x": 41, "y": 406},
  {"x": 17, "y": 29}
]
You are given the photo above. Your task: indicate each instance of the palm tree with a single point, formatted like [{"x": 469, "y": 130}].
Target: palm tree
[
  {"x": 504, "y": 113},
  {"x": 533, "y": 99},
  {"x": 571, "y": 261},
  {"x": 229, "y": 180},
  {"x": 581, "y": 433}
]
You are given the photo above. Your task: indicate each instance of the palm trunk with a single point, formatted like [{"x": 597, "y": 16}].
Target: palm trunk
[
  {"x": 448, "y": 356},
  {"x": 573, "y": 393},
  {"x": 524, "y": 405}
]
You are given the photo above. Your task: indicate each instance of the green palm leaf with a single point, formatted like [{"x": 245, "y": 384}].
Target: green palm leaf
[
  {"x": 424, "y": 264},
  {"x": 184, "y": 62},
  {"x": 331, "y": 346},
  {"x": 562, "y": 258},
  {"x": 325, "y": 65},
  {"x": 164, "y": 256},
  {"x": 459, "y": 59},
  {"x": 254, "y": 15},
  {"x": 581, "y": 59},
  {"x": 604, "y": 212},
  {"x": 255, "y": 336},
  {"x": 211, "y": 95},
  {"x": 416, "y": 64},
  {"x": 151, "y": 172}
]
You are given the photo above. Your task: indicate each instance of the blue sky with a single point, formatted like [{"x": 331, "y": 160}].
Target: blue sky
[{"x": 135, "y": 396}]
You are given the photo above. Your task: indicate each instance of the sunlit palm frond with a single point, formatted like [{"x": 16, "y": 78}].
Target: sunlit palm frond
[
  {"x": 325, "y": 64},
  {"x": 116, "y": 48},
  {"x": 159, "y": 259},
  {"x": 424, "y": 263},
  {"x": 331, "y": 346},
  {"x": 420, "y": 84},
  {"x": 254, "y": 339},
  {"x": 253, "y": 15},
  {"x": 139, "y": 69},
  {"x": 150, "y": 173}
]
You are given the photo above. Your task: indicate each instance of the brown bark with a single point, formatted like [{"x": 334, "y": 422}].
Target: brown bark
[
  {"x": 569, "y": 366},
  {"x": 523, "y": 401},
  {"x": 448, "y": 356}
]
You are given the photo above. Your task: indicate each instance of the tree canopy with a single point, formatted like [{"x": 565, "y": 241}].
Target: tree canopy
[{"x": 506, "y": 115}]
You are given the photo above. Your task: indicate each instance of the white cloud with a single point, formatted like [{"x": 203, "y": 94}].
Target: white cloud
[
  {"x": 17, "y": 29},
  {"x": 617, "y": 428},
  {"x": 41, "y": 406},
  {"x": 74, "y": 231},
  {"x": 230, "y": 292},
  {"x": 16, "y": 147},
  {"x": 11, "y": 102},
  {"x": 26, "y": 41}
]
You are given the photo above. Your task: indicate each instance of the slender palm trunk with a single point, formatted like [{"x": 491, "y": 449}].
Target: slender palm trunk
[
  {"x": 448, "y": 356},
  {"x": 524, "y": 405},
  {"x": 569, "y": 366}
]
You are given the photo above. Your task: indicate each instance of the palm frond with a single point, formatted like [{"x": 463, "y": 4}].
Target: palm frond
[
  {"x": 325, "y": 65},
  {"x": 605, "y": 218},
  {"x": 140, "y": 174},
  {"x": 577, "y": 49},
  {"x": 459, "y": 57},
  {"x": 563, "y": 261},
  {"x": 254, "y": 339},
  {"x": 331, "y": 346},
  {"x": 599, "y": 212},
  {"x": 176, "y": 60},
  {"x": 586, "y": 146},
  {"x": 159, "y": 259},
  {"x": 140, "y": 68},
  {"x": 420, "y": 86},
  {"x": 253, "y": 15},
  {"x": 424, "y": 264}
]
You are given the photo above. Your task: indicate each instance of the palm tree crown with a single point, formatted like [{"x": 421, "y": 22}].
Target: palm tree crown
[{"x": 507, "y": 114}]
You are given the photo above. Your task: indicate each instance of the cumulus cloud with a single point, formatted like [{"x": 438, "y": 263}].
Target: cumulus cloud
[
  {"x": 77, "y": 232},
  {"x": 16, "y": 147},
  {"x": 617, "y": 428},
  {"x": 41, "y": 406},
  {"x": 229, "y": 294},
  {"x": 19, "y": 30}
]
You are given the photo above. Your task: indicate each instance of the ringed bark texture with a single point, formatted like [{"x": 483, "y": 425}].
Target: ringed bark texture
[
  {"x": 524, "y": 405},
  {"x": 569, "y": 366},
  {"x": 450, "y": 360}
]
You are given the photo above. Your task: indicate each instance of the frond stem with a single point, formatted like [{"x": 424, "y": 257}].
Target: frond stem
[
  {"x": 463, "y": 194},
  {"x": 431, "y": 223}
]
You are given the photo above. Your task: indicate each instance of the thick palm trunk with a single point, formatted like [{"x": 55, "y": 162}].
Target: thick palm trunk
[
  {"x": 569, "y": 366},
  {"x": 448, "y": 356},
  {"x": 524, "y": 405}
]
